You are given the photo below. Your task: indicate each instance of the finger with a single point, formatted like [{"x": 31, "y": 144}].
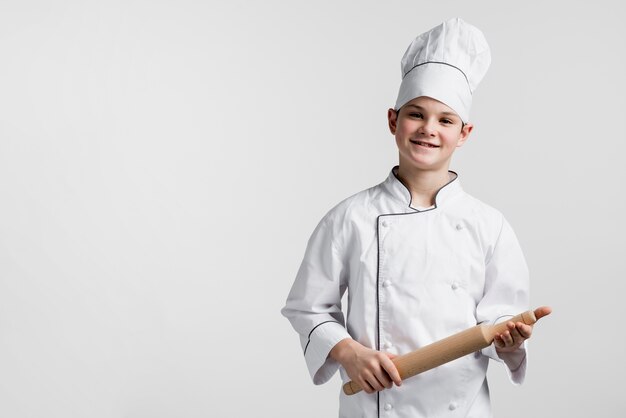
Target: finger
[
  {"x": 524, "y": 330},
  {"x": 369, "y": 384},
  {"x": 391, "y": 370},
  {"x": 498, "y": 341},
  {"x": 366, "y": 386},
  {"x": 542, "y": 311},
  {"x": 377, "y": 376},
  {"x": 376, "y": 383},
  {"x": 516, "y": 338},
  {"x": 506, "y": 337},
  {"x": 383, "y": 378}
]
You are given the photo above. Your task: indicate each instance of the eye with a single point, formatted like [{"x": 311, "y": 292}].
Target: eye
[
  {"x": 416, "y": 115},
  {"x": 447, "y": 121}
]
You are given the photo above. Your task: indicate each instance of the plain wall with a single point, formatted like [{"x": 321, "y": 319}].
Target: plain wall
[{"x": 163, "y": 164}]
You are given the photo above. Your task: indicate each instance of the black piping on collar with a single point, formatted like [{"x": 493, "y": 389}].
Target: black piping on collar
[{"x": 456, "y": 176}]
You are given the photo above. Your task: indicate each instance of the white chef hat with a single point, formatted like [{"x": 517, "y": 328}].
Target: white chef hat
[{"x": 445, "y": 63}]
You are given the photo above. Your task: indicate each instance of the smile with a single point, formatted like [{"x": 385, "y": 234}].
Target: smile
[{"x": 424, "y": 144}]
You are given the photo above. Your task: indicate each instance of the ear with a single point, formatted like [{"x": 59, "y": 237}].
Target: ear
[
  {"x": 392, "y": 118},
  {"x": 465, "y": 132}
]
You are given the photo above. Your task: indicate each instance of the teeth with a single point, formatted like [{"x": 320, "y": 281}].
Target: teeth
[{"x": 425, "y": 144}]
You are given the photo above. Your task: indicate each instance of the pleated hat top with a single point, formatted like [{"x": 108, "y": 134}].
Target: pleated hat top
[{"x": 445, "y": 63}]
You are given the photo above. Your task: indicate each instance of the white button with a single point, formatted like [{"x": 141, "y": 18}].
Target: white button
[
  {"x": 459, "y": 227},
  {"x": 387, "y": 344},
  {"x": 386, "y": 283},
  {"x": 384, "y": 223},
  {"x": 455, "y": 286},
  {"x": 388, "y": 407},
  {"x": 453, "y": 406}
]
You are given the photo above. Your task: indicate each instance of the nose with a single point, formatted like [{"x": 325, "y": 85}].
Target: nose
[{"x": 428, "y": 128}]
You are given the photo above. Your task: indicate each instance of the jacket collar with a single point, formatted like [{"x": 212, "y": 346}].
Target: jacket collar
[{"x": 401, "y": 193}]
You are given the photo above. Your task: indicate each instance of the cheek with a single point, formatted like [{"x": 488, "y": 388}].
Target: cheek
[
  {"x": 452, "y": 140},
  {"x": 406, "y": 126}
]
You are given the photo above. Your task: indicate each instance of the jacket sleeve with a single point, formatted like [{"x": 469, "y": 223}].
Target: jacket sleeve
[
  {"x": 314, "y": 303},
  {"x": 506, "y": 295}
]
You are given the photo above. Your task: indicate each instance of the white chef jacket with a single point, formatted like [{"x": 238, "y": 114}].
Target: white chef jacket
[{"x": 413, "y": 277}]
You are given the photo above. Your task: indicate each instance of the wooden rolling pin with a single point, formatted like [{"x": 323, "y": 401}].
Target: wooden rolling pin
[{"x": 452, "y": 347}]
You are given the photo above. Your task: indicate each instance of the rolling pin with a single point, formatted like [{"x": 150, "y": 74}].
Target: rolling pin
[{"x": 452, "y": 347}]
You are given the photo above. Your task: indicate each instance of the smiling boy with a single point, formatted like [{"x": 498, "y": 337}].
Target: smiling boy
[
  {"x": 427, "y": 133},
  {"x": 420, "y": 258}
]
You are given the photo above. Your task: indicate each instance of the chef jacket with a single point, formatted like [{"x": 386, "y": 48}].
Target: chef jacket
[{"x": 413, "y": 277}]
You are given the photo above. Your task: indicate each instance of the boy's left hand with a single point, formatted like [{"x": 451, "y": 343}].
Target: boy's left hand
[{"x": 511, "y": 339}]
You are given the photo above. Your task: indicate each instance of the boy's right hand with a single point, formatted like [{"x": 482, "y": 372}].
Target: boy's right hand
[{"x": 372, "y": 370}]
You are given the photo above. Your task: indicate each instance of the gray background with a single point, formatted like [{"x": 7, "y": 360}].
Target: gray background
[{"x": 162, "y": 165}]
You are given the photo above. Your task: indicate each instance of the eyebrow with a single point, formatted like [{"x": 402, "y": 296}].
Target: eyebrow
[{"x": 441, "y": 113}]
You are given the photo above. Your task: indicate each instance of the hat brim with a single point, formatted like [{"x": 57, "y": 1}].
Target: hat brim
[{"x": 440, "y": 81}]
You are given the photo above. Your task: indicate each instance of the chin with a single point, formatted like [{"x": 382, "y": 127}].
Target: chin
[{"x": 421, "y": 163}]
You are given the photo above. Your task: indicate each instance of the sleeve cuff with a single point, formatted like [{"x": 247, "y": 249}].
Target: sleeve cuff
[
  {"x": 515, "y": 362},
  {"x": 322, "y": 339}
]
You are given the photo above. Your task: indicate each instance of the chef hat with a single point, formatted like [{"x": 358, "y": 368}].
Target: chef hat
[{"x": 445, "y": 63}]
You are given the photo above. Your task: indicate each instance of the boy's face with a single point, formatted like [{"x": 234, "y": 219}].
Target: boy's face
[{"x": 427, "y": 133}]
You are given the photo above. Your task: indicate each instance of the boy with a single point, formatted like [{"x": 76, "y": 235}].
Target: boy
[{"x": 420, "y": 258}]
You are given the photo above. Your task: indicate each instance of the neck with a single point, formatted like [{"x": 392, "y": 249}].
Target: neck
[{"x": 423, "y": 184}]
